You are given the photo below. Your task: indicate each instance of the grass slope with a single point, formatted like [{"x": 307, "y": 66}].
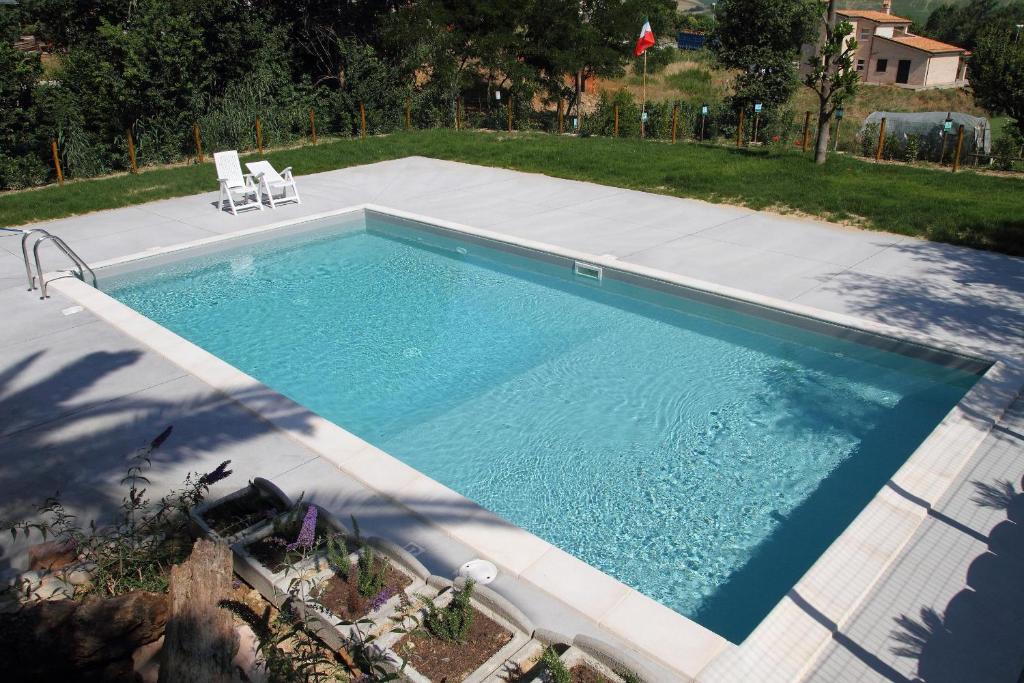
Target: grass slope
[{"x": 968, "y": 208}]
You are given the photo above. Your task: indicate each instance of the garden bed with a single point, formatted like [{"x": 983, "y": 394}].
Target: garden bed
[
  {"x": 439, "y": 660},
  {"x": 236, "y": 513}
]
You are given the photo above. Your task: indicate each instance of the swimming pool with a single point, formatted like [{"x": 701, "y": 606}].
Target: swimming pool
[{"x": 701, "y": 451}]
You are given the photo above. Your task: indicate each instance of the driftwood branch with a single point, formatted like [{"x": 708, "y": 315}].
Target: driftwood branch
[{"x": 200, "y": 640}]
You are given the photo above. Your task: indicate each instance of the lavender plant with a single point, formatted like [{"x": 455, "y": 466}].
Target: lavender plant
[
  {"x": 555, "y": 668},
  {"x": 452, "y": 622}
]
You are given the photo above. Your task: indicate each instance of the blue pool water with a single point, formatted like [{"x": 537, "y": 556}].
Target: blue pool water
[{"x": 703, "y": 456}]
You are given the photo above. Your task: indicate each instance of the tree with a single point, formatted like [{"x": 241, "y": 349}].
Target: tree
[
  {"x": 961, "y": 25},
  {"x": 831, "y": 76},
  {"x": 997, "y": 73},
  {"x": 762, "y": 38}
]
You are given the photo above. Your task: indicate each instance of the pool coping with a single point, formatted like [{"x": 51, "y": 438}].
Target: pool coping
[{"x": 834, "y": 586}]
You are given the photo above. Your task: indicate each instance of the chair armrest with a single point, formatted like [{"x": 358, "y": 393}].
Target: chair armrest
[{"x": 287, "y": 173}]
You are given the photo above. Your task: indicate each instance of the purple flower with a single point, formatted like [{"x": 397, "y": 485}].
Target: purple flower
[
  {"x": 307, "y": 534},
  {"x": 211, "y": 478},
  {"x": 381, "y": 598}
]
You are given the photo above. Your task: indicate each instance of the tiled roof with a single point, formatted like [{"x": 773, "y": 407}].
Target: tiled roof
[
  {"x": 873, "y": 15},
  {"x": 926, "y": 44}
]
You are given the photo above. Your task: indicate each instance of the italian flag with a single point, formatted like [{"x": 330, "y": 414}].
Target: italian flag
[{"x": 646, "y": 39}]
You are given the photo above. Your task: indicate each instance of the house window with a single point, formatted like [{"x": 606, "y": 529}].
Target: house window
[
  {"x": 882, "y": 65},
  {"x": 865, "y": 33},
  {"x": 860, "y": 65}
]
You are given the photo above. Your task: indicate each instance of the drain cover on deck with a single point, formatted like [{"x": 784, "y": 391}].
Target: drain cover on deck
[{"x": 481, "y": 571}]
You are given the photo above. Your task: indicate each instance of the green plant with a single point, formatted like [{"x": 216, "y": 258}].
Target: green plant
[
  {"x": 891, "y": 147},
  {"x": 1004, "y": 151},
  {"x": 372, "y": 573},
  {"x": 452, "y": 622},
  {"x": 556, "y": 669},
  {"x": 136, "y": 551},
  {"x": 869, "y": 140},
  {"x": 912, "y": 151}
]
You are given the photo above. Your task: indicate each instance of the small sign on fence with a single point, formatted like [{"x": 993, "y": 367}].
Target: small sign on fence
[
  {"x": 497, "y": 95},
  {"x": 704, "y": 110},
  {"x": 757, "y": 107},
  {"x": 643, "y": 117}
]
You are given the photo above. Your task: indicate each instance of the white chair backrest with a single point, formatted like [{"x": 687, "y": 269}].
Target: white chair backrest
[
  {"x": 228, "y": 167},
  {"x": 268, "y": 171}
]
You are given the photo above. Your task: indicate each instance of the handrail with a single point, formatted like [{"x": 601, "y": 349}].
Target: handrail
[
  {"x": 45, "y": 236},
  {"x": 24, "y": 255}
]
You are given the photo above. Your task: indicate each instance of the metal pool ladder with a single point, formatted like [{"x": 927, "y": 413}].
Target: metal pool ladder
[{"x": 41, "y": 237}]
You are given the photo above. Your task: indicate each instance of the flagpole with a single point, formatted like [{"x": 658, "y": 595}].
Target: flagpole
[{"x": 643, "y": 106}]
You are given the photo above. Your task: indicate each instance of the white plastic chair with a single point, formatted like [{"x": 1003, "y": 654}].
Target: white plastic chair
[
  {"x": 270, "y": 181},
  {"x": 233, "y": 183}
]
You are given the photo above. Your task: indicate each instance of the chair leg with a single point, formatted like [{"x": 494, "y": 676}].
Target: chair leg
[
  {"x": 231, "y": 203},
  {"x": 295, "y": 189}
]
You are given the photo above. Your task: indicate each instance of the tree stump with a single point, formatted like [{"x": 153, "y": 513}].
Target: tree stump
[{"x": 200, "y": 639}]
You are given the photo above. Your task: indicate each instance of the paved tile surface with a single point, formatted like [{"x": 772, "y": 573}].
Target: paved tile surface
[{"x": 77, "y": 397}]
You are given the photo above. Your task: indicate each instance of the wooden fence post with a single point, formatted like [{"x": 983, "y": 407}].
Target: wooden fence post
[
  {"x": 675, "y": 115},
  {"x": 510, "y": 112},
  {"x": 131, "y": 151},
  {"x": 56, "y": 161},
  {"x": 561, "y": 117},
  {"x": 198, "y": 139},
  {"x": 881, "y": 141},
  {"x": 616, "y": 120},
  {"x": 362, "y": 120},
  {"x": 408, "y": 115},
  {"x": 807, "y": 130},
  {"x": 739, "y": 130},
  {"x": 959, "y": 148},
  {"x": 259, "y": 135},
  {"x": 312, "y": 126},
  {"x": 458, "y": 118}
]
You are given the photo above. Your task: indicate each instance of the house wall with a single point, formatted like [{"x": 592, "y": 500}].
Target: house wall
[
  {"x": 894, "y": 52},
  {"x": 944, "y": 70}
]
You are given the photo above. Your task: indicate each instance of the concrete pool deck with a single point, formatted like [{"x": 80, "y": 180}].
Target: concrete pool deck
[{"x": 120, "y": 393}]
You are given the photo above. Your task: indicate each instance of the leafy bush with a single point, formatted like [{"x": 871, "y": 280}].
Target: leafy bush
[
  {"x": 372, "y": 573},
  {"x": 557, "y": 672},
  {"x": 1004, "y": 151},
  {"x": 891, "y": 147},
  {"x": 912, "y": 151},
  {"x": 136, "y": 551},
  {"x": 452, "y": 622},
  {"x": 17, "y": 173},
  {"x": 869, "y": 140}
]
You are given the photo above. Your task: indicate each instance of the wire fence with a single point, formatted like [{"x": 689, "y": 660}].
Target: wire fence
[{"x": 618, "y": 115}]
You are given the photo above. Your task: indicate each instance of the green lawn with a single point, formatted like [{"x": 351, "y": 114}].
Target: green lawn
[{"x": 967, "y": 208}]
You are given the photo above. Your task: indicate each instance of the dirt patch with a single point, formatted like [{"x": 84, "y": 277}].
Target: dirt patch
[
  {"x": 581, "y": 673},
  {"x": 445, "y": 662},
  {"x": 341, "y": 594}
]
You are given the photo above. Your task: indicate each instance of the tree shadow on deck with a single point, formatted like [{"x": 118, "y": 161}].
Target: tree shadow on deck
[
  {"x": 972, "y": 295},
  {"x": 977, "y": 637}
]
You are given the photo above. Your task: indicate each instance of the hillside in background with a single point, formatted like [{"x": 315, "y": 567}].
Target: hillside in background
[{"x": 918, "y": 10}]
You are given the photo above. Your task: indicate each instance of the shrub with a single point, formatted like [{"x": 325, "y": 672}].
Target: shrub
[
  {"x": 891, "y": 147},
  {"x": 912, "y": 151},
  {"x": 372, "y": 572},
  {"x": 452, "y": 622},
  {"x": 869, "y": 140},
  {"x": 136, "y": 551},
  {"x": 17, "y": 173},
  {"x": 1004, "y": 150},
  {"x": 556, "y": 669}
]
